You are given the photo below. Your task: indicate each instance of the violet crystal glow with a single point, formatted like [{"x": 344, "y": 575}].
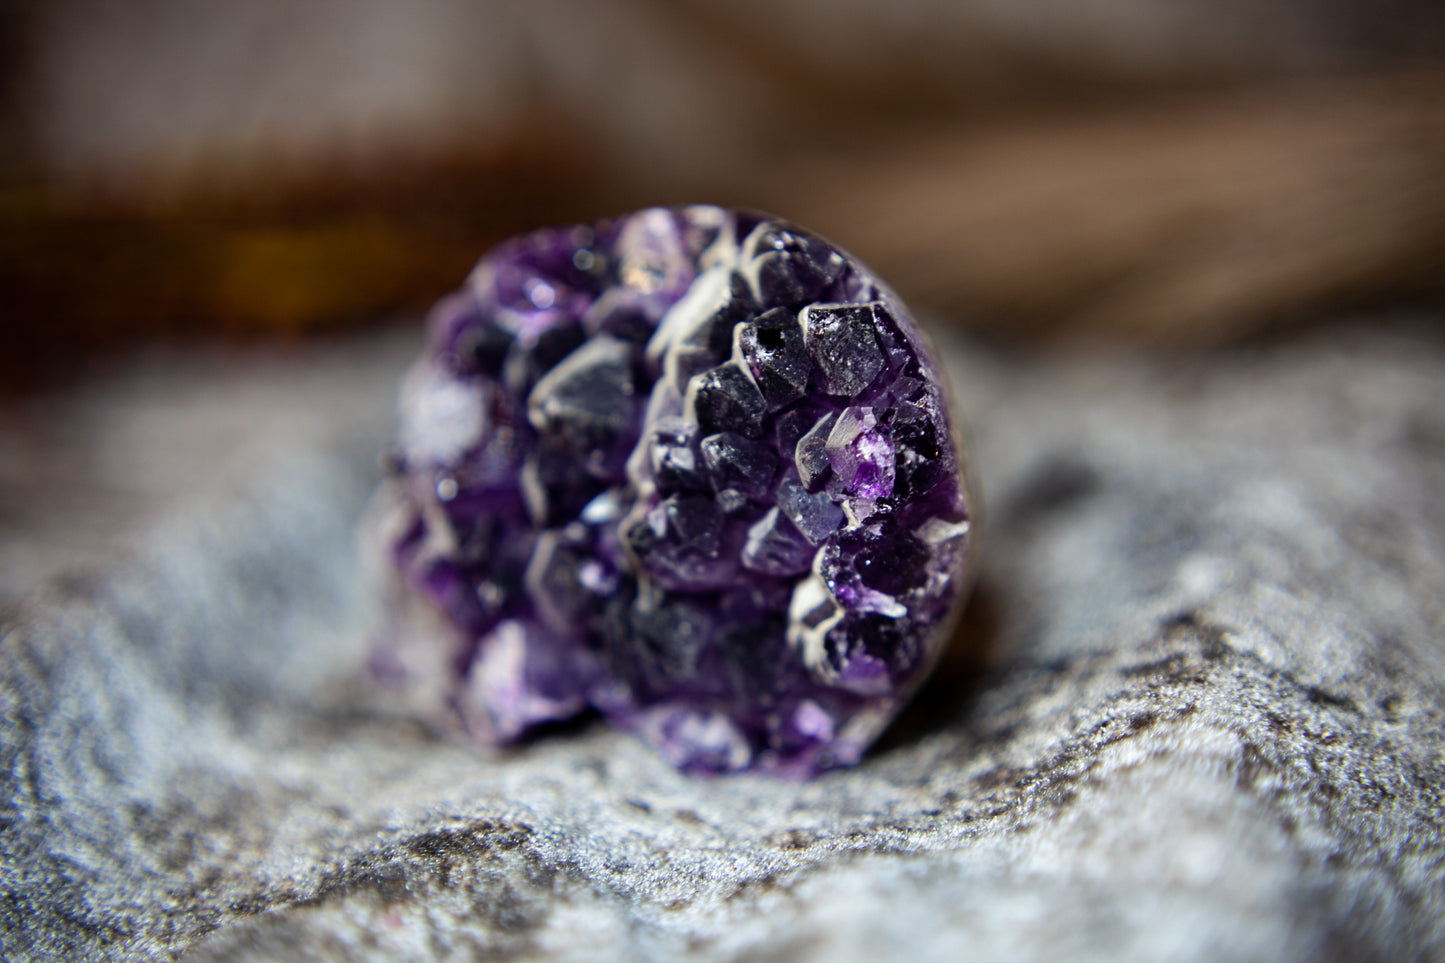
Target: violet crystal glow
[{"x": 692, "y": 467}]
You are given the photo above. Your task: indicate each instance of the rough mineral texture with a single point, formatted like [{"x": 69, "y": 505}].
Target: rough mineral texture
[
  {"x": 692, "y": 467},
  {"x": 1196, "y": 710}
]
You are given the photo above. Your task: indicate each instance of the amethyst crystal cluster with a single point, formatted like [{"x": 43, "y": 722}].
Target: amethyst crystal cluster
[{"x": 691, "y": 467}]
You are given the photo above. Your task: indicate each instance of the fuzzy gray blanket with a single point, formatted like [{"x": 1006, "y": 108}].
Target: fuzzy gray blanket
[{"x": 1194, "y": 713}]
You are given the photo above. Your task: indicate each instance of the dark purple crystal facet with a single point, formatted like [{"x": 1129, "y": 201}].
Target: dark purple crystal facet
[{"x": 690, "y": 467}]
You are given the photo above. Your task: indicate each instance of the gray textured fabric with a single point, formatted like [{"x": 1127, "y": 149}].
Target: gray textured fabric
[{"x": 1194, "y": 712}]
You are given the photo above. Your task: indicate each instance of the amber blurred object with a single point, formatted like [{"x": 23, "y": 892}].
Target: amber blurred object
[{"x": 292, "y": 257}]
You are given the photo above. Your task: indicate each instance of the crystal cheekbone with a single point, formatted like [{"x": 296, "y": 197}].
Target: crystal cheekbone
[{"x": 690, "y": 467}]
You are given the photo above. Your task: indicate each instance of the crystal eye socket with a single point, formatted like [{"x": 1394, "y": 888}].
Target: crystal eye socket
[
  {"x": 485, "y": 346},
  {"x": 711, "y": 490}
]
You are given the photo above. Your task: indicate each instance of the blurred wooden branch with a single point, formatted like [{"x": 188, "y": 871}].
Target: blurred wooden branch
[{"x": 1195, "y": 223}]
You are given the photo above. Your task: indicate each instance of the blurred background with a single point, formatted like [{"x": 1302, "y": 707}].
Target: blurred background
[{"x": 1192, "y": 172}]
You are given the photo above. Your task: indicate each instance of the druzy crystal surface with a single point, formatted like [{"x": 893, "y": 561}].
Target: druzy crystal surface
[{"x": 690, "y": 467}]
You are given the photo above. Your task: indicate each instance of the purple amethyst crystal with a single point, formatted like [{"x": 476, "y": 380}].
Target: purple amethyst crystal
[{"x": 690, "y": 467}]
